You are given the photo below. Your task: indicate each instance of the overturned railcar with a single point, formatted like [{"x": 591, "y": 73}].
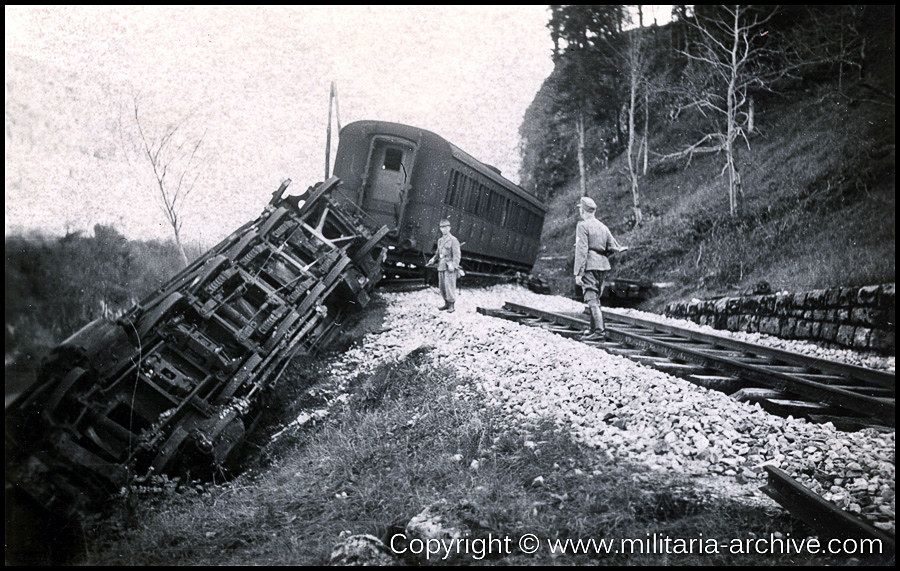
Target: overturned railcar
[
  {"x": 172, "y": 384},
  {"x": 409, "y": 178}
]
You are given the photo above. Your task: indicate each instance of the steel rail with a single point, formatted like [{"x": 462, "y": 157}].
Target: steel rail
[
  {"x": 765, "y": 374},
  {"x": 820, "y": 514},
  {"x": 869, "y": 376}
]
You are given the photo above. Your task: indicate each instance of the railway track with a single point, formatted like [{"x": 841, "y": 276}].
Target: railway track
[{"x": 782, "y": 382}]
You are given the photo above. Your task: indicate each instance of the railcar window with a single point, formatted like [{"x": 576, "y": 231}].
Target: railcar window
[
  {"x": 393, "y": 158},
  {"x": 451, "y": 188},
  {"x": 464, "y": 198},
  {"x": 482, "y": 200},
  {"x": 472, "y": 200}
]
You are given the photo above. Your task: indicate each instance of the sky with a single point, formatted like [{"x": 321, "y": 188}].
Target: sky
[{"x": 253, "y": 82}]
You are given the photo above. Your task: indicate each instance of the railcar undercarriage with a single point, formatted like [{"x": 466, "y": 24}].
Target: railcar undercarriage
[{"x": 171, "y": 385}]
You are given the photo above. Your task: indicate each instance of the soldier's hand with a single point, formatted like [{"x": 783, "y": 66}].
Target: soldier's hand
[{"x": 579, "y": 281}]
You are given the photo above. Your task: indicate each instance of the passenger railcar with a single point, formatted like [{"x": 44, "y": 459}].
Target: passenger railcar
[{"x": 409, "y": 179}]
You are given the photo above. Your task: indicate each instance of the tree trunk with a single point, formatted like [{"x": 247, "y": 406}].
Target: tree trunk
[
  {"x": 646, "y": 127},
  {"x": 731, "y": 126},
  {"x": 579, "y": 126},
  {"x": 178, "y": 243},
  {"x": 632, "y": 159}
]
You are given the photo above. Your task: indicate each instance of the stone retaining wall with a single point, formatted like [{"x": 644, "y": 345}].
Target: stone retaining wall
[{"x": 858, "y": 318}]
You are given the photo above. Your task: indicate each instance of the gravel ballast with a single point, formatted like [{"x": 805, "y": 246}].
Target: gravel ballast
[{"x": 629, "y": 412}]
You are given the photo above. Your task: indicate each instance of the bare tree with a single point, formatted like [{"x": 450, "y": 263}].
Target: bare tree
[
  {"x": 175, "y": 156},
  {"x": 725, "y": 59},
  {"x": 635, "y": 60}
]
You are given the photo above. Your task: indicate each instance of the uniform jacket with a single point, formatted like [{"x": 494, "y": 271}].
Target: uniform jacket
[
  {"x": 593, "y": 244},
  {"x": 448, "y": 253}
]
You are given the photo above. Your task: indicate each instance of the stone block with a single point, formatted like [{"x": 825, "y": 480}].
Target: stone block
[
  {"x": 733, "y": 323},
  {"x": 844, "y": 335},
  {"x": 783, "y": 303},
  {"x": 721, "y": 305},
  {"x": 693, "y": 307},
  {"x": 750, "y": 304},
  {"x": 804, "y": 329},
  {"x": 820, "y": 315},
  {"x": 861, "y": 337},
  {"x": 770, "y": 325},
  {"x": 882, "y": 340},
  {"x": 872, "y": 317},
  {"x": 733, "y": 305},
  {"x": 815, "y": 329},
  {"x": 842, "y": 315},
  {"x": 828, "y": 331},
  {"x": 720, "y": 321},
  {"x": 847, "y": 297},
  {"x": 789, "y": 328},
  {"x": 833, "y": 297},
  {"x": 868, "y": 295},
  {"x": 815, "y": 299}
]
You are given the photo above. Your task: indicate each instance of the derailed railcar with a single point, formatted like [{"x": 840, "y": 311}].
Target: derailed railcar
[
  {"x": 409, "y": 178},
  {"x": 172, "y": 385}
]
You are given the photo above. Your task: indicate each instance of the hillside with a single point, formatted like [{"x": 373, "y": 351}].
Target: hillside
[{"x": 818, "y": 210}]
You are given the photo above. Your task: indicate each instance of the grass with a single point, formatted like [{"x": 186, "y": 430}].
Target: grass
[{"x": 404, "y": 440}]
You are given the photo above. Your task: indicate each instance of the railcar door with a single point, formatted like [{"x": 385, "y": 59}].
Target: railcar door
[{"x": 390, "y": 167}]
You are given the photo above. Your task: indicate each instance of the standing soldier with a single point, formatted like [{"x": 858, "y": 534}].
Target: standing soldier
[
  {"x": 447, "y": 258},
  {"x": 593, "y": 245}
]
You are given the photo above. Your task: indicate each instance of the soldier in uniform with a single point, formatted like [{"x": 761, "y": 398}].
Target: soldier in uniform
[
  {"x": 447, "y": 258},
  {"x": 593, "y": 245}
]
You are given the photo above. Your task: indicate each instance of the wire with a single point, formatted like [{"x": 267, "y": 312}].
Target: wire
[{"x": 137, "y": 378}]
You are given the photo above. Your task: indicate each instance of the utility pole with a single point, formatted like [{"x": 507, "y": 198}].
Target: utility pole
[{"x": 332, "y": 101}]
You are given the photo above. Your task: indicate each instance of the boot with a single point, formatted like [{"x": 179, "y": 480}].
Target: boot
[
  {"x": 444, "y": 307},
  {"x": 451, "y": 307},
  {"x": 595, "y": 336},
  {"x": 597, "y": 319}
]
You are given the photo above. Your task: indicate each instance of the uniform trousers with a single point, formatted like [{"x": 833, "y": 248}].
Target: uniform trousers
[{"x": 447, "y": 285}]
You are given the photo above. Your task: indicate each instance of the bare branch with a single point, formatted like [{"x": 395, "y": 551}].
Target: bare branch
[
  {"x": 696, "y": 148},
  {"x": 168, "y": 152}
]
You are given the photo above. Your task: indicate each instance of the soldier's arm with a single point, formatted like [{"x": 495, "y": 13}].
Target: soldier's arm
[{"x": 581, "y": 248}]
